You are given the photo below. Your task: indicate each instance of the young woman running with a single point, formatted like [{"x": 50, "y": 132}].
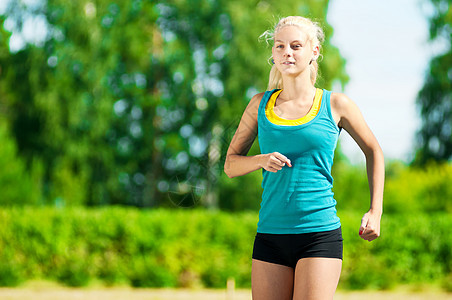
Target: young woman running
[{"x": 298, "y": 246}]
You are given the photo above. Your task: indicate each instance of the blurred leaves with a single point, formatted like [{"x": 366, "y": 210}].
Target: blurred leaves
[
  {"x": 77, "y": 246},
  {"x": 413, "y": 190},
  {"x": 435, "y": 98},
  {"x": 134, "y": 102},
  {"x": 17, "y": 185}
]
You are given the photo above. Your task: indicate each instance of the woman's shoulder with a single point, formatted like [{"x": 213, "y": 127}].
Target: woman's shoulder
[
  {"x": 340, "y": 101},
  {"x": 255, "y": 101},
  {"x": 258, "y": 97},
  {"x": 252, "y": 109},
  {"x": 340, "y": 98},
  {"x": 343, "y": 108}
]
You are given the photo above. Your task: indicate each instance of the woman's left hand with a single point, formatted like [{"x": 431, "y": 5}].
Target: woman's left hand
[{"x": 370, "y": 226}]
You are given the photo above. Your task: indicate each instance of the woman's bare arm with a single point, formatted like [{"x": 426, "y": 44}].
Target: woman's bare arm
[
  {"x": 237, "y": 163},
  {"x": 351, "y": 119}
]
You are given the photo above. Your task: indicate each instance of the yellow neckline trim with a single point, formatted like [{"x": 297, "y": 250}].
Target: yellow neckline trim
[{"x": 275, "y": 119}]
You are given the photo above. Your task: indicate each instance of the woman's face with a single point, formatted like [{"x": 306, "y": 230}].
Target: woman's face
[{"x": 293, "y": 51}]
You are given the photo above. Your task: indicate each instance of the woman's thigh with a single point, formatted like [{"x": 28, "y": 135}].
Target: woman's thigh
[
  {"x": 271, "y": 281},
  {"x": 316, "y": 278}
]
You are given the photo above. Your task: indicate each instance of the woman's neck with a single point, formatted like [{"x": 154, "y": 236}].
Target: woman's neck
[{"x": 298, "y": 88}]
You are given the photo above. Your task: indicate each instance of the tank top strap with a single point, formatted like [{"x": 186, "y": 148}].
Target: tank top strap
[
  {"x": 326, "y": 105},
  {"x": 263, "y": 103}
]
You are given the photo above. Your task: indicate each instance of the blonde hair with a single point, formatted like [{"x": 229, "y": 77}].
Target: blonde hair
[{"x": 315, "y": 36}]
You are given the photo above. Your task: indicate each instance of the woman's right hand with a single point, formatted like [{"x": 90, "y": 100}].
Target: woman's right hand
[{"x": 273, "y": 162}]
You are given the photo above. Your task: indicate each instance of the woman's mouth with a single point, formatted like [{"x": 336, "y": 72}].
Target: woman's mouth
[{"x": 288, "y": 63}]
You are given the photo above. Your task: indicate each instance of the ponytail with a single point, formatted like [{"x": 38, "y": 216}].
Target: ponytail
[
  {"x": 314, "y": 68},
  {"x": 275, "y": 81}
]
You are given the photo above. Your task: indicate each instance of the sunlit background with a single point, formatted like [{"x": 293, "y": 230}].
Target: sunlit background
[
  {"x": 115, "y": 117},
  {"x": 387, "y": 53}
]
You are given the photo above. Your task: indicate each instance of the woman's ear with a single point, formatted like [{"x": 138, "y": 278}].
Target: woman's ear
[{"x": 315, "y": 52}]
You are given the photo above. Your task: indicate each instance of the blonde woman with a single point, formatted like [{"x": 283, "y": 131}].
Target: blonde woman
[{"x": 298, "y": 246}]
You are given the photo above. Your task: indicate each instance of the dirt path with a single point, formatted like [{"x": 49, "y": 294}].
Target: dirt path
[{"x": 180, "y": 294}]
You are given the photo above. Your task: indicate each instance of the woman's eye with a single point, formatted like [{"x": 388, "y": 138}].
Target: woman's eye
[
  {"x": 280, "y": 46},
  {"x": 296, "y": 46}
]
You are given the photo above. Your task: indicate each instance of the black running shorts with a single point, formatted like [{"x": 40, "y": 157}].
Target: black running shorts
[{"x": 287, "y": 249}]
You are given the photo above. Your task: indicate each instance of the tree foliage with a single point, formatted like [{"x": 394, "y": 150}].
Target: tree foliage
[
  {"x": 435, "y": 98},
  {"x": 135, "y": 102}
]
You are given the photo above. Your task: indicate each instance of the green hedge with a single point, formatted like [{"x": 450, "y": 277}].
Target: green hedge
[
  {"x": 412, "y": 190},
  {"x": 408, "y": 190},
  {"x": 183, "y": 248},
  {"x": 412, "y": 249}
]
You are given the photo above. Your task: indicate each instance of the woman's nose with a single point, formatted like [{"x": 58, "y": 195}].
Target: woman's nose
[{"x": 288, "y": 52}]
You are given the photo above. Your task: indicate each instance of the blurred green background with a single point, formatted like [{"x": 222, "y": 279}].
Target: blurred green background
[{"x": 113, "y": 134}]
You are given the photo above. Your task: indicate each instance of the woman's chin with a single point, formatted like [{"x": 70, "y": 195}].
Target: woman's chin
[{"x": 291, "y": 72}]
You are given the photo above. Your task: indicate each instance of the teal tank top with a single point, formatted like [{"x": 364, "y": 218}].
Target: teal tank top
[{"x": 299, "y": 199}]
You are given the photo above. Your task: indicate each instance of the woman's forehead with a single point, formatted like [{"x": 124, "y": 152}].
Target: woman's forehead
[{"x": 290, "y": 33}]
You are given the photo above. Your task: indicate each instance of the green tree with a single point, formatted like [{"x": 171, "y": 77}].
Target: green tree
[
  {"x": 17, "y": 186},
  {"x": 64, "y": 111},
  {"x": 135, "y": 102},
  {"x": 435, "y": 98}
]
